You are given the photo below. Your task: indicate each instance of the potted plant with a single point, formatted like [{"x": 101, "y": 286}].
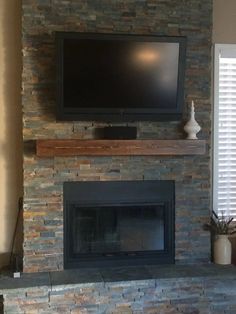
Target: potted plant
[{"x": 221, "y": 227}]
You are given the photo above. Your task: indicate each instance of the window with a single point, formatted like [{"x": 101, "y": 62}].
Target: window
[{"x": 224, "y": 173}]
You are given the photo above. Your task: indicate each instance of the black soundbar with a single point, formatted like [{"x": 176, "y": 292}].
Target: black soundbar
[{"x": 120, "y": 133}]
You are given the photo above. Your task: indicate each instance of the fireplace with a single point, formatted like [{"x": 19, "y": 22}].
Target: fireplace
[{"x": 118, "y": 223}]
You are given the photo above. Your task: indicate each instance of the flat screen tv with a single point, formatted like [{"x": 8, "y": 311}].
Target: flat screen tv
[{"x": 108, "y": 77}]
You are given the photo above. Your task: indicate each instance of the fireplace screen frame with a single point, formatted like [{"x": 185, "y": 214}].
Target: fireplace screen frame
[{"x": 120, "y": 193}]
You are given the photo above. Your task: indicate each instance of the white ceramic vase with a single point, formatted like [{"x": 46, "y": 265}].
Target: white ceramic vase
[
  {"x": 192, "y": 127},
  {"x": 222, "y": 250}
]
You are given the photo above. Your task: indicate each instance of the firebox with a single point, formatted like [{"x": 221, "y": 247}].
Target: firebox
[{"x": 115, "y": 223}]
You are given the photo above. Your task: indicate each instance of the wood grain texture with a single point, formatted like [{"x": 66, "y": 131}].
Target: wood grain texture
[{"x": 73, "y": 147}]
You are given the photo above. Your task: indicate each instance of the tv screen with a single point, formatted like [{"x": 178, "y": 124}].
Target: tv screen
[{"x": 119, "y": 77}]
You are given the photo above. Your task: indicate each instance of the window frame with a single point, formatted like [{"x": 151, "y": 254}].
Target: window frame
[{"x": 230, "y": 50}]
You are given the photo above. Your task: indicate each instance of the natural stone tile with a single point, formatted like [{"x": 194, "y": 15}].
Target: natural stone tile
[
  {"x": 90, "y": 278},
  {"x": 125, "y": 273},
  {"x": 43, "y": 178},
  {"x": 26, "y": 280}
]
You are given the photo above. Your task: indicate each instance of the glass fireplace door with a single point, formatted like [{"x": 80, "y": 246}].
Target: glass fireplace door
[
  {"x": 117, "y": 229},
  {"x": 115, "y": 223}
]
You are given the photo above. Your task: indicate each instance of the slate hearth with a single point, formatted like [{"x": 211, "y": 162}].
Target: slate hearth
[{"x": 200, "y": 289}]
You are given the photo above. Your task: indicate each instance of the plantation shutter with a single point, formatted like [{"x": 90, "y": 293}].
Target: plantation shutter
[{"x": 225, "y": 131}]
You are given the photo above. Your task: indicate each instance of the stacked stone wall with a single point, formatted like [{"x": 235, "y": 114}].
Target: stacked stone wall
[
  {"x": 44, "y": 177},
  {"x": 167, "y": 296}
]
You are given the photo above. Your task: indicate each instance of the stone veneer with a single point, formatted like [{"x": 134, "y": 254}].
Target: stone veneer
[
  {"x": 137, "y": 290},
  {"x": 43, "y": 178}
]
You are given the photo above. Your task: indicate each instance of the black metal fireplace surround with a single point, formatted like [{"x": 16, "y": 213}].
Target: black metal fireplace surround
[{"x": 116, "y": 223}]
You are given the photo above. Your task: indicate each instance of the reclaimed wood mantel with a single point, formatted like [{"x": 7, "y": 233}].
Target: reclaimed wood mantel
[{"x": 75, "y": 147}]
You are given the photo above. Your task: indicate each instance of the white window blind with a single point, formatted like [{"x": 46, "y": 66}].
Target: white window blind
[{"x": 224, "y": 174}]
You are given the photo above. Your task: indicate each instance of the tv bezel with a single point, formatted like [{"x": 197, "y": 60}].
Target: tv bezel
[{"x": 119, "y": 114}]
